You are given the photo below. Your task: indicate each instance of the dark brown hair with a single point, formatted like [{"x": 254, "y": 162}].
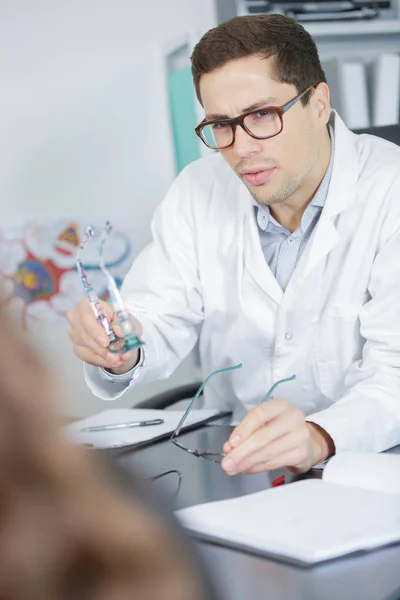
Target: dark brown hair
[{"x": 292, "y": 48}]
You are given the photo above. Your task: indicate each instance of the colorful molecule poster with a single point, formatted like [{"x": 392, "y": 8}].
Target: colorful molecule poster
[{"x": 39, "y": 278}]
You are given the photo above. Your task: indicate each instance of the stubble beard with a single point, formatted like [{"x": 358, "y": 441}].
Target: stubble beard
[{"x": 278, "y": 196}]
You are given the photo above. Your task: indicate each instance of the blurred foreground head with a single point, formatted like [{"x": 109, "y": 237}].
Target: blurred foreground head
[{"x": 67, "y": 531}]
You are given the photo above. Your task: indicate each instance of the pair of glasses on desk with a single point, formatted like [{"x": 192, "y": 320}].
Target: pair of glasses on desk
[{"x": 215, "y": 457}]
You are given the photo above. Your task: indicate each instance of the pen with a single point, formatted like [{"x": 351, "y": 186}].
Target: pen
[{"x": 124, "y": 425}]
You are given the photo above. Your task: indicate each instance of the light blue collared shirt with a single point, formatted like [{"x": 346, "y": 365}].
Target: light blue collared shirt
[{"x": 281, "y": 248}]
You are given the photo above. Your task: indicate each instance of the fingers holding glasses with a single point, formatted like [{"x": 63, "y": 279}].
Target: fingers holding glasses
[
  {"x": 256, "y": 418},
  {"x": 269, "y": 436},
  {"x": 290, "y": 449},
  {"x": 107, "y": 361},
  {"x": 89, "y": 339},
  {"x": 91, "y": 343},
  {"x": 292, "y": 459},
  {"x": 117, "y": 328}
]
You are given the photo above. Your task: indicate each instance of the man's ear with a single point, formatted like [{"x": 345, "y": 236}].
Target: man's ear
[{"x": 321, "y": 102}]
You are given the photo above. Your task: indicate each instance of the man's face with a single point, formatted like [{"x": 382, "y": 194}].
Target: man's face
[{"x": 283, "y": 163}]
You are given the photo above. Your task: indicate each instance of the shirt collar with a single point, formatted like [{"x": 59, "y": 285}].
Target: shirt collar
[{"x": 322, "y": 191}]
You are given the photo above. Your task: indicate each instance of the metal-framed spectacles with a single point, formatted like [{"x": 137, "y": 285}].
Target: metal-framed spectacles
[
  {"x": 215, "y": 457},
  {"x": 261, "y": 124},
  {"x": 130, "y": 340}
]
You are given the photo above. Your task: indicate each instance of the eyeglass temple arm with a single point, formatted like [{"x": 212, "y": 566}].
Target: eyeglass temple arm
[
  {"x": 156, "y": 477},
  {"x": 272, "y": 388},
  {"x": 197, "y": 394},
  {"x": 132, "y": 341},
  {"x": 98, "y": 311},
  {"x": 292, "y": 102},
  {"x": 84, "y": 242},
  {"x": 89, "y": 290},
  {"x": 115, "y": 296}
]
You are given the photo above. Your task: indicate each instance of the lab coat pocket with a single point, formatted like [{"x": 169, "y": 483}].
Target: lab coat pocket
[{"x": 338, "y": 345}]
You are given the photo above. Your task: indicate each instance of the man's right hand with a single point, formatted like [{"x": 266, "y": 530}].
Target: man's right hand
[{"x": 91, "y": 341}]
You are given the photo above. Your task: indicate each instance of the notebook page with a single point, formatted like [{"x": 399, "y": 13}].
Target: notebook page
[
  {"x": 307, "y": 521},
  {"x": 365, "y": 470},
  {"x": 123, "y": 437}
]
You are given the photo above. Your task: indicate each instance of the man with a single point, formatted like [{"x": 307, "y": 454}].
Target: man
[{"x": 279, "y": 252}]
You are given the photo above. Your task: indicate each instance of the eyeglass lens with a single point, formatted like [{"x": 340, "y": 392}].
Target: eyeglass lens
[{"x": 261, "y": 124}]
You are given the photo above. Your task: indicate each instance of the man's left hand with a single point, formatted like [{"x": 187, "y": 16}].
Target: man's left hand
[{"x": 274, "y": 435}]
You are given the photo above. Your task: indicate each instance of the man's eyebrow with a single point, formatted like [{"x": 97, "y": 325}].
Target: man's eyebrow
[{"x": 272, "y": 101}]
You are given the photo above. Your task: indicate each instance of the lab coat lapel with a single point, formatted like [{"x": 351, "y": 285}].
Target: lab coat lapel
[
  {"x": 341, "y": 194},
  {"x": 254, "y": 260}
]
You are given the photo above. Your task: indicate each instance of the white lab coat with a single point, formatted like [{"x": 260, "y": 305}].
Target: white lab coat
[{"x": 337, "y": 325}]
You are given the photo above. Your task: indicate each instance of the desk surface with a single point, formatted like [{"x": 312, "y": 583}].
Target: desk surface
[{"x": 372, "y": 576}]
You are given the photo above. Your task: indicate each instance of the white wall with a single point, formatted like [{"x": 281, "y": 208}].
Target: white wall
[{"x": 84, "y": 125}]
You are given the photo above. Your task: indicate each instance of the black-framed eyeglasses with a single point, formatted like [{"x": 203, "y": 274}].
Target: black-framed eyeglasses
[
  {"x": 261, "y": 124},
  {"x": 215, "y": 457}
]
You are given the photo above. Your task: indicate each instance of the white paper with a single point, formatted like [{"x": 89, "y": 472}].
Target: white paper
[
  {"x": 365, "y": 470},
  {"x": 116, "y": 438},
  {"x": 308, "y": 520}
]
